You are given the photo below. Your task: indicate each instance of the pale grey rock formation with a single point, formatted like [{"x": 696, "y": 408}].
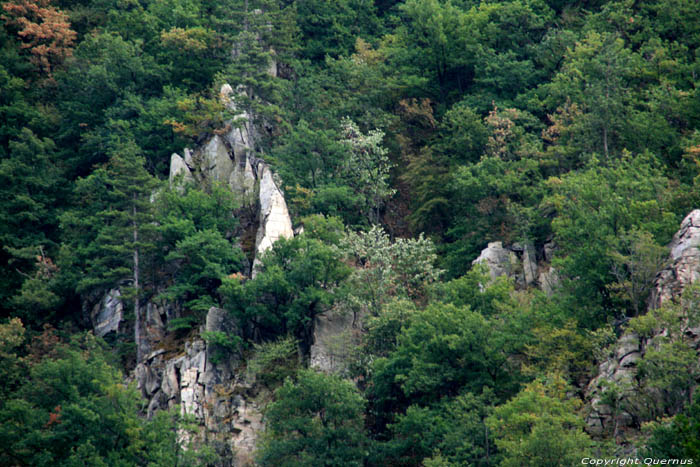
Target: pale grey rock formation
[
  {"x": 178, "y": 167},
  {"x": 500, "y": 261},
  {"x": 242, "y": 181},
  {"x": 336, "y": 333},
  {"x": 519, "y": 262},
  {"x": 230, "y": 158},
  {"x": 108, "y": 313},
  {"x": 275, "y": 222},
  {"x": 548, "y": 279},
  {"x": 685, "y": 258},
  {"x": 620, "y": 368},
  {"x": 188, "y": 157},
  {"x": 529, "y": 260},
  {"x": 216, "y": 161}
]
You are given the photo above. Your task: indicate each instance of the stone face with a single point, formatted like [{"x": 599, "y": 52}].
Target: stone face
[
  {"x": 242, "y": 181},
  {"x": 275, "y": 222},
  {"x": 107, "y": 314},
  {"x": 216, "y": 162},
  {"x": 178, "y": 167},
  {"x": 548, "y": 280},
  {"x": 685, "y": 258},
  {"x": 621, "y": 367},
  {"x": 336, "y": 333}
]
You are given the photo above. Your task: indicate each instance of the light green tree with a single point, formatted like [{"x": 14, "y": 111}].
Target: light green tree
[{"x": 540, "y": 427}]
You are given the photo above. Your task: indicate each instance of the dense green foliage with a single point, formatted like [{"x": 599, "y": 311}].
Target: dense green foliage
[{"x": 408, "y": 134}]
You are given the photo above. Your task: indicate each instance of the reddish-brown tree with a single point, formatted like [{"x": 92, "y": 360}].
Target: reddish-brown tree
[{"x": 43, "y": 30}]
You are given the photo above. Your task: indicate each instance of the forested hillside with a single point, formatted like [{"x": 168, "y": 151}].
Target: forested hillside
[{"x": 349, "y": 232}]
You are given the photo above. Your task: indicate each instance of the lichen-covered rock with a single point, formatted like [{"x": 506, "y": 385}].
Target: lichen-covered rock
[{"x": 108, "y": 313}]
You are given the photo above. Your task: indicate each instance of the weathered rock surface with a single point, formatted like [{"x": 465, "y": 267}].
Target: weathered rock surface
[
  {"x": 519, "y": 262},
  {"x": 230, "y": 159},
  {"x": 336, "y": 333},
  {"x": 108, "y": 313},
  {"x": 499, "y": 261},
  {"x": 275, "y": 222},
  {"x": 178, "y": 167},
  {"x": 208, "y": 386},
  {"x": 620, "y": 368},
  {"x": 685, "y": 257},
  {"x": 217, "y": 164}
]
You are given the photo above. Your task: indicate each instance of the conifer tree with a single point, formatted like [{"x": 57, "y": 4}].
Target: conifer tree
[{"x": 112, "y": 227}]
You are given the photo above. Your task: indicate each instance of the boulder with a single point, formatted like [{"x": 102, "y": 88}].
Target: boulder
[{"x": 500, "y": 261}]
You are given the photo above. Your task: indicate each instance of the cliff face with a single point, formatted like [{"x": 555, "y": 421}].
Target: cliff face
[
  {"x": 212, "y": 390},
  {"x": 620, "y": 368},
  {"x": 189, "y": 372}
]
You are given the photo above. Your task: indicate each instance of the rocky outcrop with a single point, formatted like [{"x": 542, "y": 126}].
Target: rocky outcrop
[
  {"x": 230, "y": 159},
  {"x": 178, "y": 167},
  {"x": 275, "y": 222},
  {"x": 336, "y": 333},
  {"x": 108, "y": 313},
  {"x": 685, "y": 258},
  {"x": 519, "y": 262},
  {"x": 620, "y": 368},
  {"x": 207, "y": 385}
]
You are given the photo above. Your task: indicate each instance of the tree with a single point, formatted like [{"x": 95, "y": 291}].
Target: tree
[
  {"x": 540, "y": 427},
  {"x": 594, "y": 208},
  {"x": 195, "y": 244},
  {"x": 596, "y": 75},
  {"x": 315, "y": 420},
  {"x": 74, "y": 409},
  {"x": 30, "y": 184},
  {"x": 386, "y": 269},
  {"x": 43, "y": 29},
  {"x": 113, "y": 227},
  {"x": 298, "y": 279},
  {"x": 635, "y": 268},
  {"x": 677, "y": 438},
  {"x": 442, "y": 351},
  {"x": 366, "y": 168},
  {"x": 453, "y": 430}
]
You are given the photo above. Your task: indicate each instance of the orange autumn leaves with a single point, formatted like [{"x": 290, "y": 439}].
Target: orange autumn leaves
[{"x": 43, "y": 30}]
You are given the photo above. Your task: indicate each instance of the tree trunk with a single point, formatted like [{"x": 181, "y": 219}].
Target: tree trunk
[
  {"x": 137, "y": 308},
  {"x": 605, "y": 142}
]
